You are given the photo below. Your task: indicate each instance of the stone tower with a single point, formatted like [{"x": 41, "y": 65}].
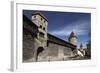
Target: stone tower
[
  {"x": 73, "y": 38},
  {"x": 40, "y": 20}
]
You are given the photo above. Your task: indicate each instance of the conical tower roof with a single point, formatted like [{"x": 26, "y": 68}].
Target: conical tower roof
[
  {"x": 72, "y": 34},
  {"x": 81, "y": 45}
]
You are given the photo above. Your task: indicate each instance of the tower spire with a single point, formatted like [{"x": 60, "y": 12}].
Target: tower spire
[{"x": 81, "y": 45}]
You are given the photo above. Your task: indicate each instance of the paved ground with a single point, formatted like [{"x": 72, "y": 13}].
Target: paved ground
[{"x": 77, "y": 58}]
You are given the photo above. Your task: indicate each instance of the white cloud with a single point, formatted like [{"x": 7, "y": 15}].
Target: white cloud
[{"x": 79, "y": 27}]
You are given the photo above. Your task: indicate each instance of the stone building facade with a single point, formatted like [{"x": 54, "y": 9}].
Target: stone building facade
[{"x": 39, "y": 45}]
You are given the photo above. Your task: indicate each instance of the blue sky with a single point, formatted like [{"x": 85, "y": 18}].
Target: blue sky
[{"x": 61, "y": 24}]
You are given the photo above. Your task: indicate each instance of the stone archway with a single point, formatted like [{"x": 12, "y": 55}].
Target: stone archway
[{"x": 39, "y": 50}]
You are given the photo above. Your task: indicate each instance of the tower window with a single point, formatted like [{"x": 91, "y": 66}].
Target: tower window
[
  {"x": 40, "y": 26},
  {"x": 41, "y": 34},
  {"x": 41, "y": 19},
  {"x": 34, "y": 16},
  {"x": 44, "y": 21},
  {"x": 43, "y": 28}
]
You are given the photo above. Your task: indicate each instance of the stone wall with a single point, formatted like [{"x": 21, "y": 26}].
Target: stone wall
[
  {"x": 28, "y": 47},
  {"x": 36, "y": 48},
  {"x": 57, "y": 52}
]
